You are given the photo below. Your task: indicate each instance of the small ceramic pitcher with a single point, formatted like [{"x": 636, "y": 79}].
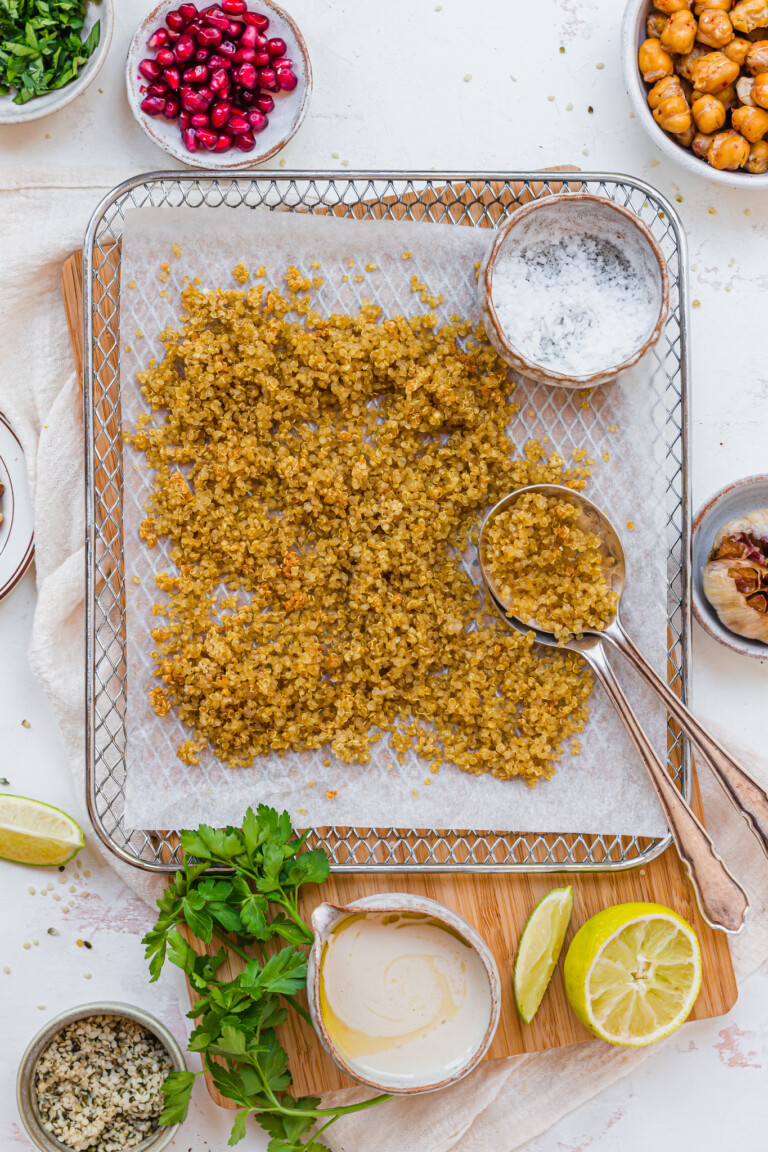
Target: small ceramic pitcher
[{"x": 326, "y": 917}]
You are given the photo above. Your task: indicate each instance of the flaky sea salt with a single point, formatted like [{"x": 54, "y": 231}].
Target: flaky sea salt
[{"x": 574, "y": 305}]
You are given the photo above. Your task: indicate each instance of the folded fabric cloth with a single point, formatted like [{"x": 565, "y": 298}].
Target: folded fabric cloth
[{"x": 502, "y": 1105}]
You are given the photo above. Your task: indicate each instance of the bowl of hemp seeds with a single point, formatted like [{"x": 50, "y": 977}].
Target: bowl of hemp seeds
[{"x": 92, "y": 1081}]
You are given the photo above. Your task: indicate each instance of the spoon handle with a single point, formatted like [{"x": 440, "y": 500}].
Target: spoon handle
[
  {"x": 742, "y": 790},
  {"x": 721, "y": 899}
]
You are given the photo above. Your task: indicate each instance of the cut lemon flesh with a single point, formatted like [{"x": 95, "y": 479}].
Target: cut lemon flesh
[
  {"x": 539, "y": 949},
  {"x": 633, "y": 972},
  {"x": 35, "y": 833}
]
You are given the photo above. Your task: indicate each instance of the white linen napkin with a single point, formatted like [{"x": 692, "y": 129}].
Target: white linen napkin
[{"x": 502, "y": 1105}]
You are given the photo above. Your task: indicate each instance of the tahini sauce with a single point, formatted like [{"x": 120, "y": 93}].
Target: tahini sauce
[{"x": 405, "y": 1000}]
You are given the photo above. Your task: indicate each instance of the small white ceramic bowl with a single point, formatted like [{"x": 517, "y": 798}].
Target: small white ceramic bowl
[
  {"x": 633, "y": 32},
  {"x": 326, "y": 916},
  {"x": 593, "y": 216},
  {"x": 284, "y": 121},
  {"x": 17, "y": 546},
  {"x": 737, "y": 499},
  {"x": 11, "y": 113}
]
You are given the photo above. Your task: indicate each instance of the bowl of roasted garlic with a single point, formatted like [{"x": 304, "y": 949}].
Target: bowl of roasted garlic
[{"x": 696, "y": 72}]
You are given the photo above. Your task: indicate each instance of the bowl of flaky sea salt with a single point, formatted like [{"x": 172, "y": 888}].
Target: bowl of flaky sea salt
[{"x": 573, "y": 290}]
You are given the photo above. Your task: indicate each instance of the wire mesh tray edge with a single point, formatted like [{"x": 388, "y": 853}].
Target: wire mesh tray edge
[{"x": 397, "y": 194}]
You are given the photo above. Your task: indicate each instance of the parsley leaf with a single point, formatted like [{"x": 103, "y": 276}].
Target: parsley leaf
[{"x": 41, "y": 45}]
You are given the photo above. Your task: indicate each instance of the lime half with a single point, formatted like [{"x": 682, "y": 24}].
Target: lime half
[
  {"x": 35, "y": 833},
  {"x": 539, "y": 949},
  {"x": 633, "y": 972}
]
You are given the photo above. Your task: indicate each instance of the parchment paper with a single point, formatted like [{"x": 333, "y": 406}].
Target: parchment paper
[{"x": 604, "y": 789}]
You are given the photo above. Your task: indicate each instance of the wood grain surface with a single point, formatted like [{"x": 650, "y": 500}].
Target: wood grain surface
[{"x": 496, "y": 904}]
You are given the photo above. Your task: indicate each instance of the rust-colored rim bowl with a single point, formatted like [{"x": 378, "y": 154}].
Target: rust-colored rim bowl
[
  {"x": 615, "y": 219},
  {"x": 734, "y": 500},
  {"x": 400, "y": 902},
  {"x": 284, "y": 122}
]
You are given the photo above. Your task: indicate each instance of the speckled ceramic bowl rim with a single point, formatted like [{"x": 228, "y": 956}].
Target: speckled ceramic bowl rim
[
  {"x": 547, "y": 375},
  {"x": 729, "y": 639},
  {"x": 399, "y": 902},
  {"x": 28, "y": 112},
  {"x": 225, "y": 162},
  {"x": 25, "y": 1089}
]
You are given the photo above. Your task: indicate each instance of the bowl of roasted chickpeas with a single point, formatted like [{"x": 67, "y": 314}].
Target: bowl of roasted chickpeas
[{"x": 697, "y": 74}]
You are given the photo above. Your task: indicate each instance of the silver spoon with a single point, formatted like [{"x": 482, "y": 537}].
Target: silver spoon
[{"x": 721, "y": 899}]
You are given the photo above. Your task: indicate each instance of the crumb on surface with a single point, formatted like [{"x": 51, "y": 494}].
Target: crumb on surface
[{"x": 240, "y": 273}]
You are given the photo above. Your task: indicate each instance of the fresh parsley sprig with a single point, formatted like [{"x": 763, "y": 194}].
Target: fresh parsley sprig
[
  {"x": 41, "y": 45},
  {"x": 256, "y": 901}
]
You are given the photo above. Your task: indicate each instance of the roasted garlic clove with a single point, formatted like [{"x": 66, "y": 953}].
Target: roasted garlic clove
[{"x": 735, "y": 578}]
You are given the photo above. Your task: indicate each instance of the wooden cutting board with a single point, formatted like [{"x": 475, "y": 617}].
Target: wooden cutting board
[{"x": 497, "y": 905}]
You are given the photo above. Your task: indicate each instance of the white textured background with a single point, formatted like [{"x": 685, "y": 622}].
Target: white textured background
[{"x": 390, "y": 93}]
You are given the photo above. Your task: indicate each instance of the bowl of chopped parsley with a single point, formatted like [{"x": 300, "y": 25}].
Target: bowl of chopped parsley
[{"x": 50, "y": 51}]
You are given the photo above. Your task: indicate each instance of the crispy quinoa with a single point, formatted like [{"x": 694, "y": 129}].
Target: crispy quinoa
[
  {"x": 547, "y": 567},
  {"x": 99, "y": 1084},
  {"x": 319, "y": 480}
]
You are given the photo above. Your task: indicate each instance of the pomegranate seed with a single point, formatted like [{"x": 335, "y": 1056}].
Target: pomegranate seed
[
  {"x": 220, "y": 113},
  {"x": 201, "y": 56},
  {"x": 185, "y": 48},
  {"x": 184, "y": 118},
  {"x": 244, "y": 98},
  {"x": 220, "y": 80},
  {"x": 235, "y": 29},
  {"x": 197, "y": 75},
  {"x": 158, "y": 88},
  {"x": 172, "y": 78},
  {"x": 245, "y": 74},
  {"x": 150, "y": 69},
  {"x": 244, "y": 56},
  {"x": 207, "y": 138},
  {"x": 209, "y": 37},
  {"x": 233, "y": 7},
  {"x": 192, "y": 101},
  {"x": 157, "y": 39},
  {"x": 189, "y": 136},
  {"x": 286, "y": 80},
  {"x": 262, "y": 58},
  {"x": 175, "y": 20},
  {"x": 224, "y": 143},
  {"x": 188, "y": 11},
  {"x": 215, "y": 62},
  {"x": 173, "y": 35},
  {"x": 206, "y": 93},
  {"x": 267, "y": 78},
  {"x": 264, "y": 102},
  {"x": 282, "y": 62},
  {"x": 165, "y": 57},
  {"x": 153, "y": 105},
  {"x": 261, "y": 41},
  {"x": 256, "y": 20},
  {"x": 172, "y": 108},
  {"x": 246, "y": 142},
  {"x": 257, "y": 120},
  {"x": 215, "y": 19},
  {"x": 248, "y": 38},
  {"x": 200, "y": 120},
  {"x": 237, "y": 125},
  {"x": 277, "y": 46},
  {"x": 227, "y": 48}
]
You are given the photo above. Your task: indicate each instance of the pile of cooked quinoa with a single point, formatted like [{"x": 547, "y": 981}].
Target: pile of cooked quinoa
[
  {"x": 547, "y": 567},
  {"x": 318, "y": 480}
]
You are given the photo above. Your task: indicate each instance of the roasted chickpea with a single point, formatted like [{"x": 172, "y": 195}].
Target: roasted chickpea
[
  {"x": 751, "y": 122},
  {"x": 729, "y": 150},
  {"x": 737, "y": 50},
  {"x": 758, "y": 158},
  {"x": 655, "y": 25},
  {"x": 654, "y": 61},
  {"x": 713, "y": 72},
  {"x": 750, "y": 14},
  {"x": 722, "y": 5},
  {"x": 670, "y": 6},
  {"x": 715, "y": 28},
  {"x": 760, "y": 89},
  {"x": 684, "y": 64},
  {"x": 757, "y": 57},
  {"x": 673, "y": 114},
  {"x": 679, "y": 34},
  {"x": 708, "y": 113},
  {"x": 667, "y": 86},
  {"x": 744, "y": 86},
  {"x": 686, "y": 138},
  {"x": 701, "y": 145},
  {"x": 728, "y": 97}
]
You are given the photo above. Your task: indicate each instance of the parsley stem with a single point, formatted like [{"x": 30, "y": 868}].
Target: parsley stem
[
  {"x": 231, "y": 944},
  {"x": 297, "y": 1008}
]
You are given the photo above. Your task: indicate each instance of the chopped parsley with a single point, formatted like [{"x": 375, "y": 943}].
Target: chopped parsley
[{"x": 41, "y": 45}]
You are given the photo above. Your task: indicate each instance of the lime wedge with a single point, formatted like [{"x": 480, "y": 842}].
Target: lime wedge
[
  {"x": 633, "y": 972},
  {"x": 35, "y": 833},
  {"x": 539, "y": 949}
]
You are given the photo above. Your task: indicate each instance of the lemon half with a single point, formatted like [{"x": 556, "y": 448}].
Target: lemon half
[
  {"x": 539, "y": 949},
  {"x": 35, "y": 833},
  {"x": 633, "y": 972}
]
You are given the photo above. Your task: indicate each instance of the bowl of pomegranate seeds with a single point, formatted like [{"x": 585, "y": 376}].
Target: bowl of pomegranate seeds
[{"x": 219, "y": 86}]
